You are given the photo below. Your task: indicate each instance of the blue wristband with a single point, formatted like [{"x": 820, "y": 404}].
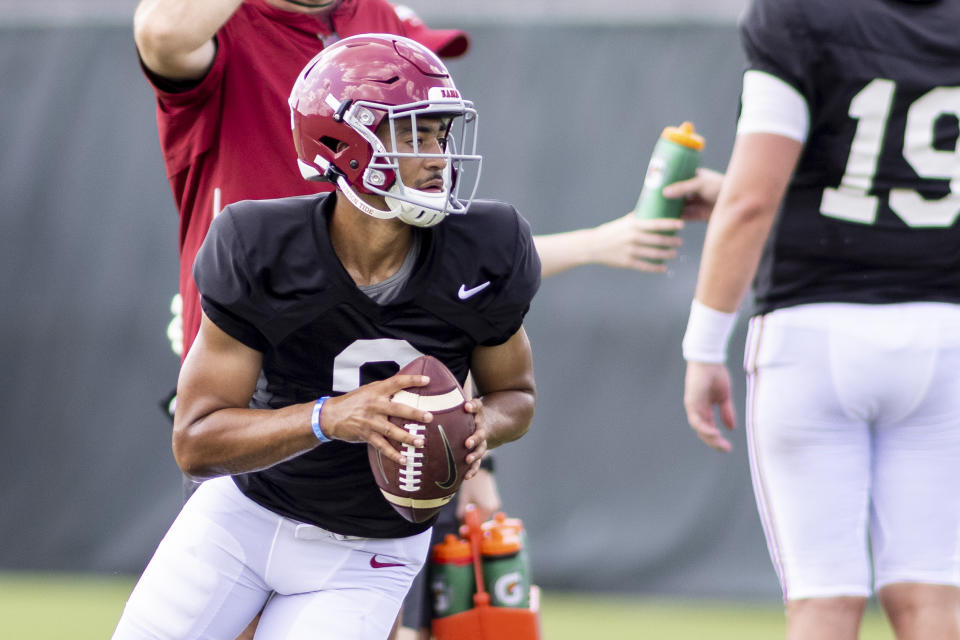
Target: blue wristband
[{"x": 315, "y": 420}]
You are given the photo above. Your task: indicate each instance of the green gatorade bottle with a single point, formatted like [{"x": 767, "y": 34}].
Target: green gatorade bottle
[
  {"x": 451, "y": 576},
  {"x": 515, "y": 525},
  {"x": 676, "y": 157},
  {"x": 505, "y": 571}
]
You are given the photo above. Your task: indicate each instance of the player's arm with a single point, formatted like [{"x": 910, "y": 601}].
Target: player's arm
[
  {"x": 175, "y": 37},
  {"x": 480, "y": 491},
  {"x": 760, "y": 168},
  {"x": 626, "y": 242},
  {"x": 506, "y": 394},
  {"x": 214, "y": 433}
]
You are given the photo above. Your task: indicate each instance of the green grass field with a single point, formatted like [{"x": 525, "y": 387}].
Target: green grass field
[{"x": 66, "y": 607}]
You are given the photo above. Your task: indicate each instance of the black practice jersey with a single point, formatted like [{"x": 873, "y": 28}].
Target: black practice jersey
[
  {"x": 870, "y": 215},
  {"x": 269, "y": 277}
]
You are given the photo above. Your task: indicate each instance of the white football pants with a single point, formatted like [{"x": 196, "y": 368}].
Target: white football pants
[
  {"x": 225, "y": 557},
  {"x": 853, "y": 427}
]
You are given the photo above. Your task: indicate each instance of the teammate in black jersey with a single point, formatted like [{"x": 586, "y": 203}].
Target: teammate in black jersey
[
  {"x": 311, "y": 305},
  {"x": 848, "y": 127}
]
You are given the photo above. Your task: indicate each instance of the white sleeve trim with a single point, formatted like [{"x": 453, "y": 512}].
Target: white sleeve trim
[{"x": 770, "y": 105}]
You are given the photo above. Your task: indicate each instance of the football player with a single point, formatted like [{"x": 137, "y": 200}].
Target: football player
[
  {"x": 311, "y": 305},
  {"x": 841, "y": 202}
]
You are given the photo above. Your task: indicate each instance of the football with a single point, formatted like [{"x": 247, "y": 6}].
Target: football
[{"x": 433, "y": 472}]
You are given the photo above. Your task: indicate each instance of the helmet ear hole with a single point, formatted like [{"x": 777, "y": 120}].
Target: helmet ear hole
[{"x": 332, "y": 143}]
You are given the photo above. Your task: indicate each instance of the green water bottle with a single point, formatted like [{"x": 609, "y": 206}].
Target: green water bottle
[
  {"x": 451, "y": 576},
  {"x": 676, "y": 157},
  {"x": 506, "y": 573},
  {"x": 515, "y": 525}
]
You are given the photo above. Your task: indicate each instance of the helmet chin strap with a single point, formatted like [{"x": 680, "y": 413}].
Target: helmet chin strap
[
  {"x": 416, "y": 215},
  {"x": 409, "y": 213},
  {"x": 360, "y": 203},
  {"x": 412, "y": 214}
]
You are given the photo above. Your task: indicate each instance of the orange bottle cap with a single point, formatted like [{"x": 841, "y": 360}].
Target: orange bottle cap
[
  {"x": 500, "y": 519},
  {"x": 452, "y": 549},
  {"x": 684, "y": 135},
  {"x": 500, "y": 542}
]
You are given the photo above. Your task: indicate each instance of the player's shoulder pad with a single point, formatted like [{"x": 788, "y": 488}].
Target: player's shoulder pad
[
  {"x": 280, "y": 221},
  {"x": 260, "y": 257},
  {"x": 489, "y": 249},
  {"x": 777, "y": 39},
  {"x": 492, "y": 231}
]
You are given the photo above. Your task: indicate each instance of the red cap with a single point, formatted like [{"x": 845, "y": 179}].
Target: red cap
[{"x": 446, "y": 43}]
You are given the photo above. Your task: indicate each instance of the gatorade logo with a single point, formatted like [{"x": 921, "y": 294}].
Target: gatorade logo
[
  {"x": 441, "y": 599},
  {"x": 508, "y": 589},
  {"x": 654, "y": 177}
]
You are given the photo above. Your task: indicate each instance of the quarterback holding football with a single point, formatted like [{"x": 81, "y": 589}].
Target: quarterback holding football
[{"x": 312, "y": 306}]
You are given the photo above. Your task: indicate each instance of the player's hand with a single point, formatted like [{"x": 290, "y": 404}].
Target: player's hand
[
  {"x": 481, "y": 492},
  {"x": 477, "y": 442},
  {"x": 629, "y": 242},
  {"x": 700, "y": 193},
  {"x": 363, "y": 415},
  {"x": 708, "y": 386}
]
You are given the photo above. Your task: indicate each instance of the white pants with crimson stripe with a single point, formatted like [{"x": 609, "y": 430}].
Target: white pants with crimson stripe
[
  {"x": 853, "y": 428},
  {"x": 225, "y": 557}
]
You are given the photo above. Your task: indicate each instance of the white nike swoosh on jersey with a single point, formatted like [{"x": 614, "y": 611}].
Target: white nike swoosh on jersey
[{"x": 465, "y": 293}]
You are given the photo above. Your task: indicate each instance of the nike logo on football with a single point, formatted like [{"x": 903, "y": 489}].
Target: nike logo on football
[
  {"x": 465, "y": 293},
  {"x": 376, "y": 564},
  {"x": 451, "y": 462}
]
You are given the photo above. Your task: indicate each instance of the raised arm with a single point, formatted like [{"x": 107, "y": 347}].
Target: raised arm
[{"x": 175, "y": 37}]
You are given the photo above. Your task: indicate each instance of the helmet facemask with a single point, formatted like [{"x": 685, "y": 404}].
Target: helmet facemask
[
  {"x": 383, "y": 175},
  {"x": 372, "y": 84}
]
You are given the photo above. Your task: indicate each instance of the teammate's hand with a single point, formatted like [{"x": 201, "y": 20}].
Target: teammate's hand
[
  {"x": 700, "y": 193},
  {"x": 629, "y": 242},
  {"x": 706, "y": 386},
  {"x": 363, "y": 415},
  {"x": 481, "y": 492},
  {"x": 477, "y": 442}
]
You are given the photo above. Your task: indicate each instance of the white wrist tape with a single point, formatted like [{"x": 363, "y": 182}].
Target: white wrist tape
[{"x": 708, "y": 332}]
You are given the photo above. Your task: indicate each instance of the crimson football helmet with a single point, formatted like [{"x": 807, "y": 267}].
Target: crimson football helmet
[{"x": 343, "y": 96}]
